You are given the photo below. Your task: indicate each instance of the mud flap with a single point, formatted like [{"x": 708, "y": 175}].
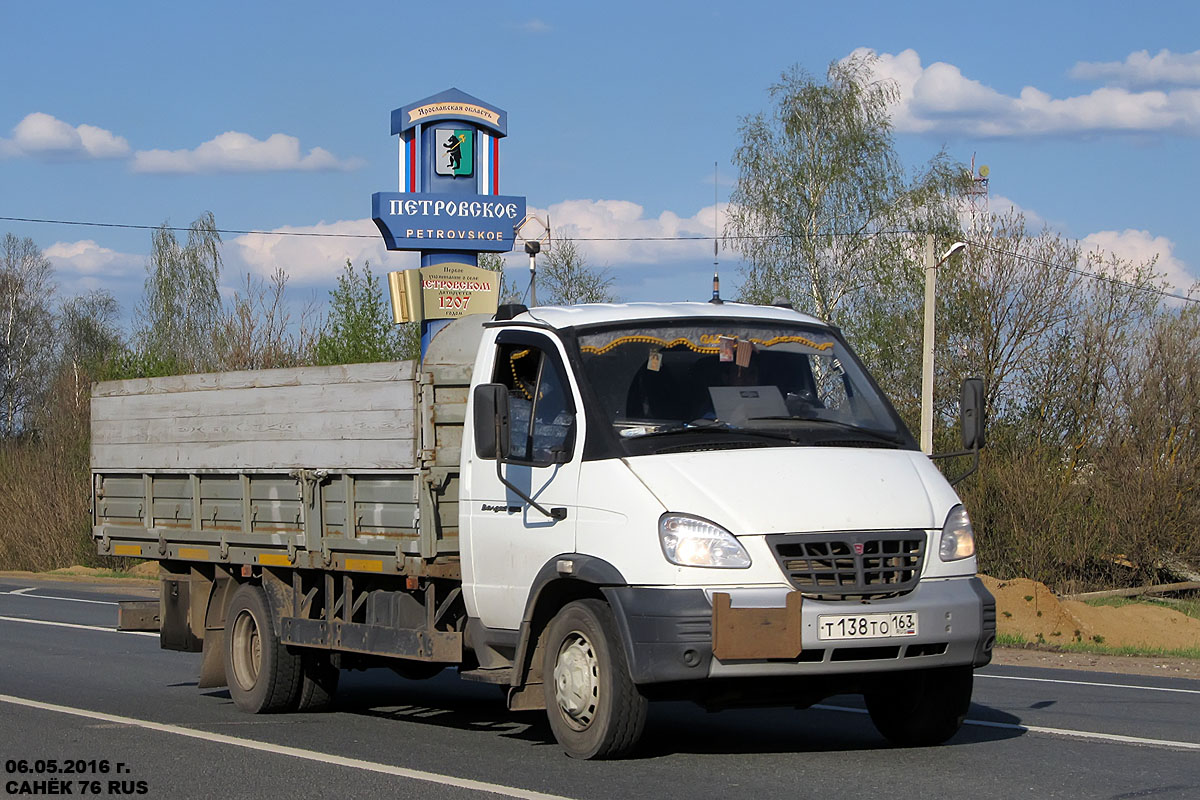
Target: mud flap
[
  {"x": 212, "y": 664},
  {"x": 753, "y": 634}
]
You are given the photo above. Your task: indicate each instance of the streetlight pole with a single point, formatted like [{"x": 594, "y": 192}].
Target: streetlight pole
[{"x": 927, "y": 342}]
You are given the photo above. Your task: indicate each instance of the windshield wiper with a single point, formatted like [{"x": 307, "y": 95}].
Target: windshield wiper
[
  {"x": 714, "y": 425},
  {"x": 678, "y": 427},
  {"x": 873, "y": 434}
]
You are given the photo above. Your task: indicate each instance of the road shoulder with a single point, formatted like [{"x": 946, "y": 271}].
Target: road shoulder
[{"x": 1089, "y": 662}]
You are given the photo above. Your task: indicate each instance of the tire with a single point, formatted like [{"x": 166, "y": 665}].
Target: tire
[
  {"x": 595, "y": 709},
  {"x": 921, "y": 709},
  {"x": 264, "y": 675},
  {"x": 318, "y": 682}
]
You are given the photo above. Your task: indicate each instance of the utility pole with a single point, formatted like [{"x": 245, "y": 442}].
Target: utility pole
[{"x": 928, "y": 341}]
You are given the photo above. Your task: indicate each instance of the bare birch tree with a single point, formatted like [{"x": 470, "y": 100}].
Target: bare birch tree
[
  {"x": 567, "y": 278},
  {"x": 26, "y": 332}
]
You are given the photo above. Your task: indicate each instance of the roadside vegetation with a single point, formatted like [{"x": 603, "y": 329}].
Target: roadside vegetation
[
  {"x": 1091, "y": 476},
  {"x": 1097, "y": 648}
]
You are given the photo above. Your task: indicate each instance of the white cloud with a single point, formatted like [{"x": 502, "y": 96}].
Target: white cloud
[
  {"x": 940, "y": 99},
  {"x": 618, "y": 233},
  {"x": 1141, "y": 70},
  {"x": 314, "y": 260},
  {"x": 602, "y": 229},
  {"x": 999, "y": 204},
  {"x": 1140, "y": 247},
  {"x": 534, "y": 26},
  {"x": 41, "y": 135},
  {"x": 1134, "y": 246},
  {"x": 240, "y": 152},
  {"x": 85, "y": 258}
]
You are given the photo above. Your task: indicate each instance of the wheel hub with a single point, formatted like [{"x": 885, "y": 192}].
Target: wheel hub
[
  {"x": 246, "y": 650},
  {"x": 577, "y": 681}
]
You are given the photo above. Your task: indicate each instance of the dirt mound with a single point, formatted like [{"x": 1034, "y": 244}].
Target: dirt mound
[
  {"x": 76, "y": 569},
  {"x": 146, "y": 569},
  {"x": 1028, "y": 609}
]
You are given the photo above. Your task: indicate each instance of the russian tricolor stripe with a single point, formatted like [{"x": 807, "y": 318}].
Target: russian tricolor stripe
[
  {"x": 408, "y": 163},
  {"x": 484, "y": 161}
]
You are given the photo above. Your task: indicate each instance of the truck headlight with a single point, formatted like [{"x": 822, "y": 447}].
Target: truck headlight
[
  {"x": 694, "y": 542},
  {"x": 958, "y": 537}
]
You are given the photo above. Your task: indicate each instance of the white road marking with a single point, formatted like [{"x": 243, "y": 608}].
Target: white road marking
[
  {"x": 1090, "y": 683},
  {"x": 295, "y": 752},
  {"x": 22, "y": 592},
  {"x": 75, "y": 625},
  {"x": 1107, "y": 737}
]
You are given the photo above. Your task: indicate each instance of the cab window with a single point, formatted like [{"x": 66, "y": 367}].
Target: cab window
[{"x": 541, "y": 414}]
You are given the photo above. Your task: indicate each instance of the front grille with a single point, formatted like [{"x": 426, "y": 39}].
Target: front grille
[{"x": 845, "y": 565}]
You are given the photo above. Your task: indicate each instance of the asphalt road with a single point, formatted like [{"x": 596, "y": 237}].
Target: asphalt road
[{"x": 75, "y": 694}]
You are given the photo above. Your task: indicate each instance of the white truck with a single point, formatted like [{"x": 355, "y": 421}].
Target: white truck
[{"x": 592, "y": 507}]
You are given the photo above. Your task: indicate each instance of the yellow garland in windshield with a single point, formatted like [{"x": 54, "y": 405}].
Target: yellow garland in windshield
[{"x": 700, "y": 348}]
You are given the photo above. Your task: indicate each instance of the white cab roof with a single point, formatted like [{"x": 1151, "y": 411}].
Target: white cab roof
[{"x": 598, "y": 313}]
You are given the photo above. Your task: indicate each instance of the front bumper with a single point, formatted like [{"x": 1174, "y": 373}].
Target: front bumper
[{"x": 668, "y": 633}]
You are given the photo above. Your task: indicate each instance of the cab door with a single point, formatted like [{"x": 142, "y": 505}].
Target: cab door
[{"x": 509, "y": 540}]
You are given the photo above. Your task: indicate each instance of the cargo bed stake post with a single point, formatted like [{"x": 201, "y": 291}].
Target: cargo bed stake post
[{"x": 309, "y": 480}]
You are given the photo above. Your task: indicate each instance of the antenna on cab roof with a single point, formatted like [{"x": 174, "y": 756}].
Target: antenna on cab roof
[{"x": 716, "y": 295}]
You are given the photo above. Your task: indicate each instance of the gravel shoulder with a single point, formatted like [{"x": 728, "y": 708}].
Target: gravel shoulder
[{"x": 1123, "y": 665}]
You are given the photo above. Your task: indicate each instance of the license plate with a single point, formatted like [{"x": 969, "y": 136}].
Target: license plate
[{"x": 866, "y": 626}]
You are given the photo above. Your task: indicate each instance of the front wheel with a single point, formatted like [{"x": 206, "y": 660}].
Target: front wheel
[
  {"x": 595, "y": 709},
  {"x": 921, "y": 709}
]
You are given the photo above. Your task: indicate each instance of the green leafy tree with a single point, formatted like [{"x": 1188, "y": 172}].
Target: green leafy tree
[
  {"x": 89, "y": 337},
  {"x": 359, "y": 327},
  {"x": 819, "y": 182},
  {"x": 181, "y": 303}
]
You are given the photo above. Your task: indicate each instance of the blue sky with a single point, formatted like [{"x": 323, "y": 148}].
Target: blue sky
[{"x": 275, "y": 116}]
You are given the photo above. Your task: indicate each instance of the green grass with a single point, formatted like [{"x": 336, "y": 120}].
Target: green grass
[
  {"x": 1093, "y": 648},
  {"x": 1190, "y": 607}
]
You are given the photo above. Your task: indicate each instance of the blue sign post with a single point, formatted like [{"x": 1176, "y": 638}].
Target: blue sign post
[{"x": 449, "y": 207}]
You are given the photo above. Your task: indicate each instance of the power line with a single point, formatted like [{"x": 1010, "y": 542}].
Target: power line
[
  {"x": 1083, "y": 272},
  {"x": 697, "y": 238},
  {"x": 129, "y": 226}
]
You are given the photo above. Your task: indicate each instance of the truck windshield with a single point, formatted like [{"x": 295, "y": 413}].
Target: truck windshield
[{"x": 677, "y": 386}]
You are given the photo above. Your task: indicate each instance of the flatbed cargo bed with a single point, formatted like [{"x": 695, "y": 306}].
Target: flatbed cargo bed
[{"x": 351, "y": 467}]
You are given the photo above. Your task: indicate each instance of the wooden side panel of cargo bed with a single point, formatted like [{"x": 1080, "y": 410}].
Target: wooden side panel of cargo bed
[{"x": 350, "y": 417}]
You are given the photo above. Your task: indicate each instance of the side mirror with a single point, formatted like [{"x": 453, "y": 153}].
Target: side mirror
[
  {"x": 971, "y": 414},
  {"x": 491, "y": 423}
]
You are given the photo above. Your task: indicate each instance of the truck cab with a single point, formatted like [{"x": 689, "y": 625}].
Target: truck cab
[{"x": 726, "y": 490}]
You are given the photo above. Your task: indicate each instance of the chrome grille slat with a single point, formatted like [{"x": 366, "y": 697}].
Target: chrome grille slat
[{"x": 852, "y": 563}]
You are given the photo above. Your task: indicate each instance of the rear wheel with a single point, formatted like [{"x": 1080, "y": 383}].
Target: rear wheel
[
  {"x": 595, "y": 709},
  {"x": 318, "y": 682},
  {"x": 920, "y": 709},
  {"x": 264, "y": 675}
]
